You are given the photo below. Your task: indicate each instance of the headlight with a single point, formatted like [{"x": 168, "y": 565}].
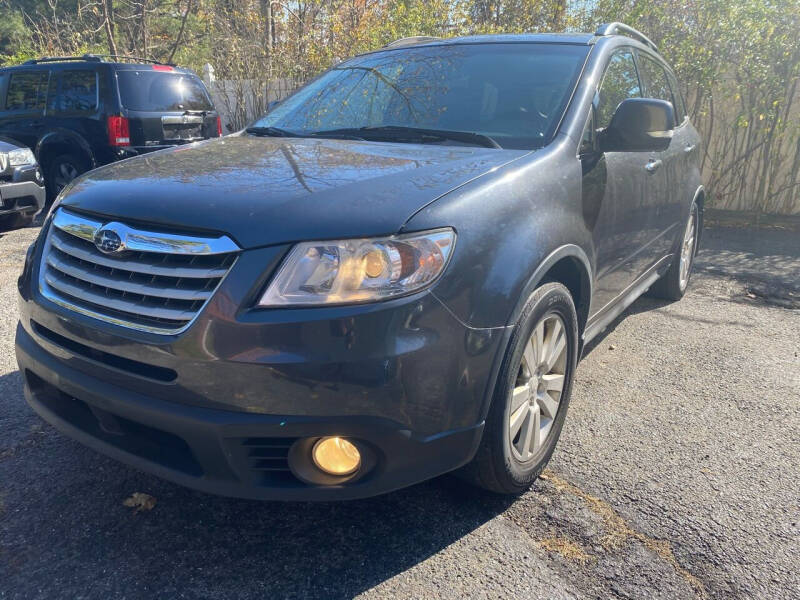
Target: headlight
[
  {"x": 349, "y": 271},
  {"x": 21, "y": 156}
]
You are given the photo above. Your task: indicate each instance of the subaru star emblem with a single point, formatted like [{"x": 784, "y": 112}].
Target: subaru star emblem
[{"x": 108, "y": 241}]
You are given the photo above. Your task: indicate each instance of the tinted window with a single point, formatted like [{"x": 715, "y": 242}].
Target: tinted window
[
  {"x": 655, "y": 81},
  {"x": 78, "y": 91},
  {"x": 515, "y": 93},
  {"x": 27, "y": 91},
  {"x": 619, "y": 83},
  {"x": 680, "y": 105},
  {"x": 161, "y": 92}
]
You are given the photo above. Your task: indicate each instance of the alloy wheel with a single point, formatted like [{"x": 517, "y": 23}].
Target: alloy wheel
[
  {"x": 536, "y": 396},
  {"x": 687, "y": 248},
  {"x": 64, "y": 173}
]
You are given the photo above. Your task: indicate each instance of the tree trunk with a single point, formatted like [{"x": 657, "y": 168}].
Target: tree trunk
[
  {"x": 266, "y": 15},
  {"x": 143, "y": 25},
  {"x": 179, "y": 38},
  {"x": 108, "y": 16}
]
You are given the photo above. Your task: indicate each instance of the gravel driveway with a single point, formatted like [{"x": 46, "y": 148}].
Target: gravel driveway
[{"x": 676, "y": 477}]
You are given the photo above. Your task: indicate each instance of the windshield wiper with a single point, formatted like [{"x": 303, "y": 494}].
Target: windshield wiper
[
  {"x": 419, "y": 134},
  {"x": 271, "y": 132}
]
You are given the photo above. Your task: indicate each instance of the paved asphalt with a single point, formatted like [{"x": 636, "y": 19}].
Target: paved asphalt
[{"x": 676, "y": 477}]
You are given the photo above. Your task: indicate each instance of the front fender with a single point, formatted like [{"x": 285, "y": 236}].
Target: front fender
[{"x": 512, "y": 225}]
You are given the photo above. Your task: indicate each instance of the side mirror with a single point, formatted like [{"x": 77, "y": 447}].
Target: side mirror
[{"x": 639, "y": 125}]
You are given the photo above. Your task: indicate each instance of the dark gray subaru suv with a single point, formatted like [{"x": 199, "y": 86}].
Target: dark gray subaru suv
[{"x": 390, "y": 276}]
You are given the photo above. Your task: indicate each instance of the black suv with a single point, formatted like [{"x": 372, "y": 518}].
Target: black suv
[
  {"x": 390, "y": 276},
  {"x": 78, "y": 113}
]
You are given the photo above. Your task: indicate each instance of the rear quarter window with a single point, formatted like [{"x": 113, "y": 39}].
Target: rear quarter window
[
  {"x": 27, "y": 91},
  {"x": 157, "y": 91}
]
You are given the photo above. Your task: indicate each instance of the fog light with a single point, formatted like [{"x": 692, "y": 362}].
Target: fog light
[{"x": 336, "y": 456}]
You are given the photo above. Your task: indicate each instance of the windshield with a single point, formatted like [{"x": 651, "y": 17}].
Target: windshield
[
  {"x": 161, "y": 92},
  {"x": 514, "y": 93}
]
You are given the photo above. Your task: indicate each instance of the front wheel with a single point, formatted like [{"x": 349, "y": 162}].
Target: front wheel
[{"x": 531, "y": 395}]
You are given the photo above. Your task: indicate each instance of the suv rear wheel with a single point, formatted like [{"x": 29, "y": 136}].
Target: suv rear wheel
[
  {"x": 673, "y": 284},
  {"x": 531, "y": 395},
  {"x": 62, "y": 169}
]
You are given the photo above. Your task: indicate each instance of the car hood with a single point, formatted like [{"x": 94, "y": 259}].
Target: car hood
[
  {"x": 263, "y": 191},
  {"x": 7, "y": 144}
]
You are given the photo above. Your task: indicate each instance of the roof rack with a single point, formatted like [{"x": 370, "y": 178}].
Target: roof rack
[
  {"x": 617, "y": 28},
  {"x": 93, "y": 58},
  {"x": 411, "y": 41},
  {"x": 48, "y": 59},
  {"x": 119, "y": 57}
]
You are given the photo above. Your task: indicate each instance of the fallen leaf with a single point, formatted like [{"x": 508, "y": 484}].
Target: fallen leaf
[
  {"x": 612, "y": 347},
  {"x": 140, "y": 501}
]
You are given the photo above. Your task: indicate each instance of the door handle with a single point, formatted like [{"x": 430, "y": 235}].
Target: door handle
[
  {"x": 653, "y": 166},
  {"x": 689, "y": 148}
]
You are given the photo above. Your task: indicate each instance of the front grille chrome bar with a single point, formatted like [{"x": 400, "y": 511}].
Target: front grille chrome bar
[
  {"x": 143, "y": 241},
  {"x": 154, "y": 281}
]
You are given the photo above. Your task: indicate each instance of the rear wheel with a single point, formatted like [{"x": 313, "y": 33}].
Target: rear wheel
[
  {"x": 673, "y": 284},
  {"x": 531, "y": 396},
  {"x": 61, "y": 170}
]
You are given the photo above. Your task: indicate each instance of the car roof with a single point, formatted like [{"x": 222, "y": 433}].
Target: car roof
[
  {"x": 116, "y": 66},
  {"x": 506, "y": 38},
  {"x": 615, "y": 31}
]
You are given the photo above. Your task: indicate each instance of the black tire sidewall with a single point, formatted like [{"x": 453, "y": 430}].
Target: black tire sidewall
[{"x": 550, "y": 298}]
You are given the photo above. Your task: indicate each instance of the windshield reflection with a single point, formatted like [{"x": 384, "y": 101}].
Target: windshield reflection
[{"x": 514, "y": 93}]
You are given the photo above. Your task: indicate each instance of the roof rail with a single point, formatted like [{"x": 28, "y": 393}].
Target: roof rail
[
  {"x": 92, "y": 58},
  {"x": 48, "y": 59},
  {"x": 120, "y": 57},
  {"x": 411, "y": 41},
  {"x": 617, "y": 28}
]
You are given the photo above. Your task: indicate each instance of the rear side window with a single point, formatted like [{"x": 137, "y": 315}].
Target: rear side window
[
  {"x": 78, "y": 91},
  {"x": 161, "y": 92},
  {"x": 27, "y": 91},
  {"x": 620, "y": 82}
]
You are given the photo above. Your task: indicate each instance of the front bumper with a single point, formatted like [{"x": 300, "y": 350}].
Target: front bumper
[
  {"x": 225, "y": 452},
  {"x": 219, "y": 406},
  {"x": 21, "y": 197}
]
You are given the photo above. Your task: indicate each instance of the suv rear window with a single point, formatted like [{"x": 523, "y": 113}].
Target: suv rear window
[
  {"x": 27, "y": 91},
  {"x": 161, "y": 92}
]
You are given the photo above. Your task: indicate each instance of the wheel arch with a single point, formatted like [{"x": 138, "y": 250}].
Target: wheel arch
[
  {"x": 63, "y": 141},
  {"x": 570, "y": 266}
]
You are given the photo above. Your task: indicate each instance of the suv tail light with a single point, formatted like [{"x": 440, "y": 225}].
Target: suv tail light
[
  {"x": 219, "y": 127},
  {"x": 119, "y": 133}
]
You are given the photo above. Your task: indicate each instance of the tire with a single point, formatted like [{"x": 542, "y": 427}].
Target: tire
[
  {"x": 500, "y": 464},
  {"x": 62, "y": 169},
  {"x": 16, "y": 221},
  {"x": 674, "y": 283}
]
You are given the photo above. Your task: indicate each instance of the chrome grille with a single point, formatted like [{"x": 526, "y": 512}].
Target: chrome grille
[{"x": 154, "y": 281}]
